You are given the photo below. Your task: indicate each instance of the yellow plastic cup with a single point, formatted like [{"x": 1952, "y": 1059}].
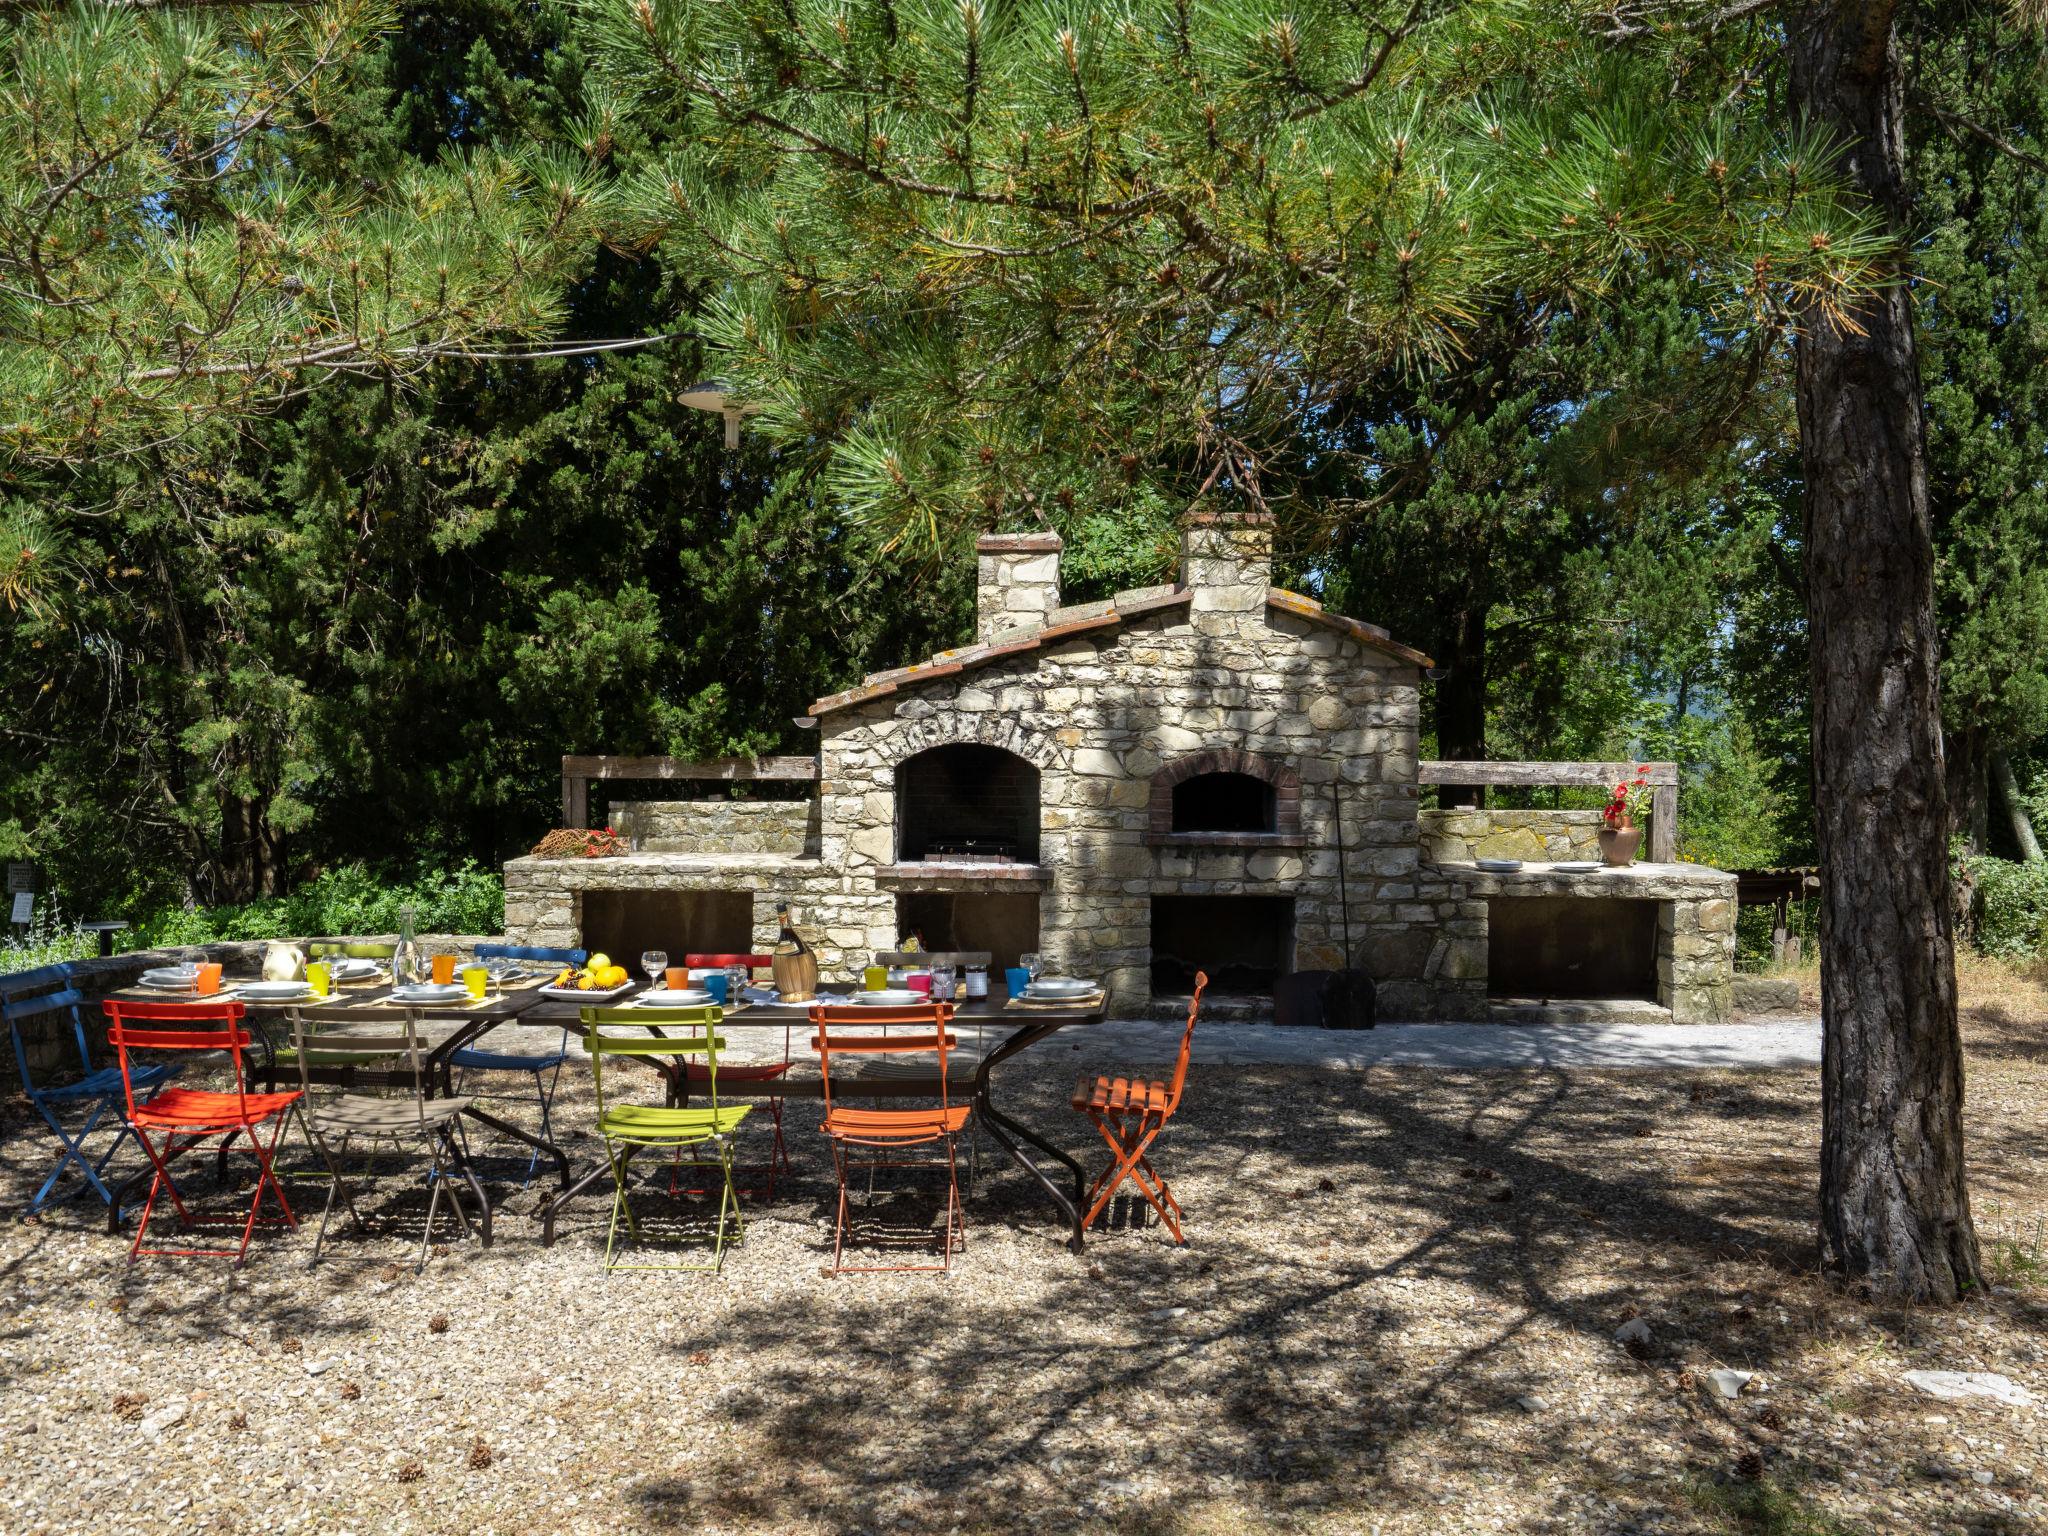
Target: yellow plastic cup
[
  {"x": 876, "y": 977},
  {"x": 478, "y": 979},
  {"x": 319, "y": 978}
]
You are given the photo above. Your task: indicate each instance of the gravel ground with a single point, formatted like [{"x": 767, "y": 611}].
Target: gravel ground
[{"x": 1397, "y": 1314}]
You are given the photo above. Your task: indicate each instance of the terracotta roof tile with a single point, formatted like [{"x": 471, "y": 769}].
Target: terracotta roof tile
[{"x": 1085, "y": 618}]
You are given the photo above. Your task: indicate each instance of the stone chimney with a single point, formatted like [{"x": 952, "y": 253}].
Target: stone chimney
[
  {"x": 1226, "y": 559},
  {"x": 1018, "y": 582}
]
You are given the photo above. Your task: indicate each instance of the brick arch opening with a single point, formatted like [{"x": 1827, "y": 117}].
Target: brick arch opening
[{"x": 1226, "y": 796}]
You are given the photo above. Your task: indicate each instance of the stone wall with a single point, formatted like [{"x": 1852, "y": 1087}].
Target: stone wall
[
  {"x": 48, "y": 1040},
  {"x": 1467, "y": 832},
  {"x": 787, "y": 828},
  {"x": 1099, "y": 713}
]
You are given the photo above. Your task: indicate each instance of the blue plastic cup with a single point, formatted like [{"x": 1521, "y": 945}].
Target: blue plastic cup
[
  {"x": 1017, "y": 979},
  {"x": 716, "y": 986}
]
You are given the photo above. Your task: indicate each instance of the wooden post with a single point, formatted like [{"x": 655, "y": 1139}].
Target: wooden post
[
  {"x": 575, "y": 798},
  {"x": 1664, "y": 824}
]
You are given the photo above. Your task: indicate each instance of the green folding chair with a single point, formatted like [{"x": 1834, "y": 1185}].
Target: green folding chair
[{"x": 626, "y": 1128}]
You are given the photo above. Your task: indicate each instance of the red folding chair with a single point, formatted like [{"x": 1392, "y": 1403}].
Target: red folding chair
[
  {"x": 890, "y": 1130},
  {"x": 185, "y": 1117},
  {"x": 1130, "y": 1111},
  {"x": 698, "y": 1075}
]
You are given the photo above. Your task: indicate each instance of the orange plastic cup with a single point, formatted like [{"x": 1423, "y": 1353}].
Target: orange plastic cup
[
  {"x": 209, "y": 978},
  {"x": 444, "y": 970},
  {"x": 678, "y": 978}
]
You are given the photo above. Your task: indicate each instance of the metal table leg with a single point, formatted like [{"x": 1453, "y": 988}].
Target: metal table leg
[{"x": 998, "y": 1123}]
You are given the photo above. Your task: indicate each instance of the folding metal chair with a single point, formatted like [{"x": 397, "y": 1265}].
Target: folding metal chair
[
  {"x": 47, "y": 990},
  {"x": 196, "y": 1114},
  {"x": 749, "y": 1072},
  {"x": 546, "y": 1068},
  {"x": 390, "y": 1054},
  {"x": 1130, "y": 1111},
  {"x": 627, "y": 1128},
  {"x": 890, "y": 1130}
]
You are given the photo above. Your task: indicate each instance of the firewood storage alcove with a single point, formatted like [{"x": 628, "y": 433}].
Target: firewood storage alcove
[
  {"x": 1572, "y": 948},
  {"x": 1245, "y": 943},
  {"x": 625, "y": 923}
]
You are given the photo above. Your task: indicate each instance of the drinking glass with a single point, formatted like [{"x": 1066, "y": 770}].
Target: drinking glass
[
  {"x": 444, "y": 970},
  {"x": 478, "y": 979},
  {"x": 1033, "y": 962},
  {"x": 736, "y": 977},
  {"x": 319, "y": 978},
  {"x": 208, "y": 980},
  {"x": 654, "y": 962},
  {"x": 875, "y": 978}
]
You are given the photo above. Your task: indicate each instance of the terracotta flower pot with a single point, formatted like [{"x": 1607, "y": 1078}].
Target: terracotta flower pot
[{"x": 1618, "y": 845}]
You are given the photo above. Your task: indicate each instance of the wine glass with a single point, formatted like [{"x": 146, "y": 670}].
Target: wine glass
[
  {"x": 654, "y": 962},
  {"x": 1033, "y": 962}
]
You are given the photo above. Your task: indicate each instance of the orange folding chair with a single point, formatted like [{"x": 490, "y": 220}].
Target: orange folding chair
[
  {"x": 698, "y": 1074},
  {"x": 890, "y": 1130},
  {"x": 1130, "y": 1111},
  {"x": 185, "y": 1117}
]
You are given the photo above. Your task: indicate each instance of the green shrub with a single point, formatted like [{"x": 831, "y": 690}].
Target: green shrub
[
  {"x": 2012, "y": 906},
  {"x": 350, "y": 899},
  {"x": 49, "y": 938}
]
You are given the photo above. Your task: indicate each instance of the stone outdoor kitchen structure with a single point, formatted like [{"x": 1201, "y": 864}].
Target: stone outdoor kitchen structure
[{"x": 1139, "y": 787}]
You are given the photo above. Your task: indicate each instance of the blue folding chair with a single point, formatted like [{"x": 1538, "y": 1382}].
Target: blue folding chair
[
  {"x": 32, "y": 994},
  {"x": 546, "y": 1070}
]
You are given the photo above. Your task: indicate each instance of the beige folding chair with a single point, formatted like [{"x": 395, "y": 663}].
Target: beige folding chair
[{"x": 404, "y": 1117}]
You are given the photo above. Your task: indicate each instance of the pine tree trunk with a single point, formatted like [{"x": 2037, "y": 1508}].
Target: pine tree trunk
[
  {"x": 1461, "y": 700},
  {"x": 1968, "y": 762},
  {"x": 1894, "y": 1208},
  {"x": 2015, "y": 808}
]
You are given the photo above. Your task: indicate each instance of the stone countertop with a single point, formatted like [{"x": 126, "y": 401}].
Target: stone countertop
[
  {"x": 1635, "y": 882},
  {"x": 674, "y": 863}
]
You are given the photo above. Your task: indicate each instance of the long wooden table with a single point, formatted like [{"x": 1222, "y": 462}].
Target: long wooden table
[{"x": 1023, "y": 1027}]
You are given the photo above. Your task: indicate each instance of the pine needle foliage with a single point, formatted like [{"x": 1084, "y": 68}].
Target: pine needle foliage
[
  {"x": 164, "y": 261},
  {"x": 984, "y": 261}
]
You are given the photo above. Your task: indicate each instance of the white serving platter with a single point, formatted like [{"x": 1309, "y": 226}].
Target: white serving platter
[{"x": 593, "y": 996}]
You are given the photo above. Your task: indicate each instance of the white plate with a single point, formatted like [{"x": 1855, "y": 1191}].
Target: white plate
[
  {"x": 348, "y": 970},
  {"x": 889, "y": 997},
  {"x": 275, "y": 991},
  {"x": 674, "y": 997},
  {"x": 1062, "y": 986},
  {"x": 171, "y": 973},
  {"x": 1499, "y": 866},
  {"x": 428, "y": 992},
  {"x": 180, "y": 987},
  {"x": 577, "y": 995},
  {"x": 1577, "y": 867}
]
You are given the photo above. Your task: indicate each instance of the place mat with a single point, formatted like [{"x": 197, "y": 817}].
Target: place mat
[
  {"x": 1082, "y": 1003},
  {"x": 453, "y": 1005}
]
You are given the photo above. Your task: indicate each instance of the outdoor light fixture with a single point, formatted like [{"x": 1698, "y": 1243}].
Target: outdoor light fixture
[{"x": 712, "y": 395}]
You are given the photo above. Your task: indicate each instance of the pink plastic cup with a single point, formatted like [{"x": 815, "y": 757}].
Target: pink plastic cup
[{"x": 921, "y": 981}]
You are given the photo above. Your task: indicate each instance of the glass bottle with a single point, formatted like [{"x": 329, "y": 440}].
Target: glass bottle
[{"x": 405, "y": 955}]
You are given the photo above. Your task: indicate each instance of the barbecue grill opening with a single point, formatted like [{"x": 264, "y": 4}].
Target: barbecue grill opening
[
  {"x": 967, "y": 803},
  {"x": 1224, "y": 802}
]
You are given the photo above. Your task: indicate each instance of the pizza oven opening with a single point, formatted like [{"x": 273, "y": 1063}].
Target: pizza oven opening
[
  {"x": 1224, "y": 802},
  {"x": 967, "y": 804}
]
